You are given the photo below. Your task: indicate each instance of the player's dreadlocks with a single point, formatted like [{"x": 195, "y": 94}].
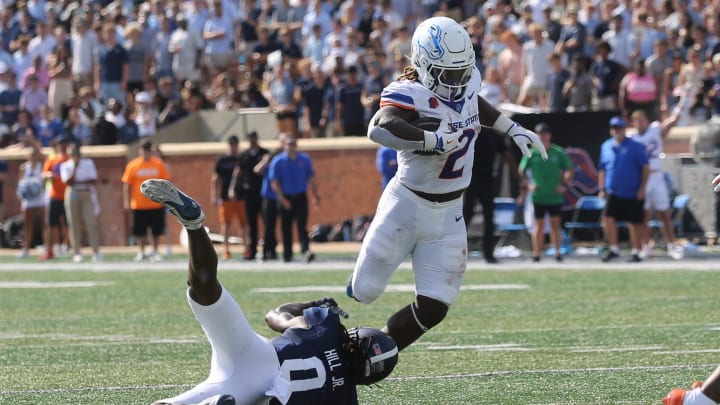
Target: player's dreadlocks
[{"x": 409, "y": 73}]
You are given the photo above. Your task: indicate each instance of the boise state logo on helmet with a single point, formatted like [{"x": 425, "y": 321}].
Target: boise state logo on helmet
[{"x": 433, "y": 48}]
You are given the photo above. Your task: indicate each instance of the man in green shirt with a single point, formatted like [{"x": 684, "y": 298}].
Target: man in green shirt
[{"x": 547, "y": 180}]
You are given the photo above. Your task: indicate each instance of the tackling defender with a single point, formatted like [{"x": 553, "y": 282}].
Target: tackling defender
[
  {"x": 420, "y": 211},
  {"x": 707, "y": 393},
  {"x": 315, "y": 360}
]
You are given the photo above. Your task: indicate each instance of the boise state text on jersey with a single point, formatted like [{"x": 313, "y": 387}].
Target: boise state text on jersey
[
  {"x": 437, "y": 174},
  {"x": 313, "y": 361}
]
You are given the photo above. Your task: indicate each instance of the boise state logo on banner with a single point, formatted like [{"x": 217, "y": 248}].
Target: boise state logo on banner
[{"x": 433, "y": 48}]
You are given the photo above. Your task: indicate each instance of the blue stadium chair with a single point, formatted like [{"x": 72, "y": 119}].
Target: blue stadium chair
[
  {"x": 679, "y": 207},
  {"x": 505, "y": 215},
  {"x": 587, "y": 216}
]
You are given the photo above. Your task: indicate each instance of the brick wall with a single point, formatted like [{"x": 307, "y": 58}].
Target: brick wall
[{"x": 347, "y": 179}]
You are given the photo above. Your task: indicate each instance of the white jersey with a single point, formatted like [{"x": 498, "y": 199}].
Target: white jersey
[
  {"x": 437, "y": 174},
  {"x": 653, "y": 141}
]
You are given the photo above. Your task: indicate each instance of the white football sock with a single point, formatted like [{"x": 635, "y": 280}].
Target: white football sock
[{"x": 696, "y": 397}]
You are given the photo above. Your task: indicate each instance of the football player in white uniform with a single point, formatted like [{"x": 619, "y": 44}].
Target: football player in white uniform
[
  {"x": 657, "y": 196},
  {"x": 420, "y": 211}
]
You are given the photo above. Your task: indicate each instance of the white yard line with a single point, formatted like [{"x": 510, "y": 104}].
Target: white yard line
[
  {"x": 408, "y": 378},
  {"x": 54, "y": 284},
  {"x": 390, "y": 288}
]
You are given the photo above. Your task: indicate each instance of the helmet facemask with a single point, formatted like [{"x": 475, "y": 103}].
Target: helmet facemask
[
  {"x": 370, "y": 360},
  {"x": 451, "y": 83}
]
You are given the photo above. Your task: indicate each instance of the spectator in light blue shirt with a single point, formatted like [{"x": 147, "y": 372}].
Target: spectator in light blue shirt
[{"x": 219, "y": 33}]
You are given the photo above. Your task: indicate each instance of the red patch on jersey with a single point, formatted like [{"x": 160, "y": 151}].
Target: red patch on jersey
[{"x": 433, "y": 102}]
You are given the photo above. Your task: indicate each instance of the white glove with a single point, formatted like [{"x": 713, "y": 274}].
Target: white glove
[
  {"x": 525, "y": 138},
  {"x": 716, "y": 183},
  {"x": 444, "y": 140}
]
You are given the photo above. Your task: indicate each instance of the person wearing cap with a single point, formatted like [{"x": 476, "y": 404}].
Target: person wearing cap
[
  {"x": 622, "y": 178},
  {"x": 229, "y": 201},
  {"x": 292, "y": 176},
  {"x": 145, "y": 214},
  {"x": 81, "y": 201},
  {"x": 146, "y": 116},
  {"x": 250, "y": 182},
  {"x": 548, "y": 180}
]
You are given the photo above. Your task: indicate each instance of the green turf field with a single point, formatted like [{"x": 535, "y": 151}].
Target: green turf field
[{"x": 553, "y": 336}]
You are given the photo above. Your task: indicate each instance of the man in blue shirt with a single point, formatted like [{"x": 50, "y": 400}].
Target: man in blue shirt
[
  {"x": 622, "y": 178},
  {"x": 350, "y": 112},
  {"x": 291, "y": 174},
  {"x": 316, "y": 360},
  {"x": 608, "y": 74},
  {"x": 111, "y": 71},
  {"x": 10, "y": 100}
]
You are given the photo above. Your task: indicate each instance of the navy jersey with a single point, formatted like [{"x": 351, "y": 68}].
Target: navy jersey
[{"x": 312, "y": 360}]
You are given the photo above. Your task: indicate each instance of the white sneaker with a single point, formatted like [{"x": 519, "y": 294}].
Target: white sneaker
[
  {"x": 98, "y": 258},
  {"x": 23, "y": 255},
  {"x": 675, "y": 251},
  {"x": 139, "y": 257},
  {"x": 156, "y": 257},
  {"x": 77, "y": 258},
  {"x": 645, "y": 252}
]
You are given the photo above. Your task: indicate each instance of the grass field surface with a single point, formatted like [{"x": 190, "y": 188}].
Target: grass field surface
[{"x": 575, "y": 333}]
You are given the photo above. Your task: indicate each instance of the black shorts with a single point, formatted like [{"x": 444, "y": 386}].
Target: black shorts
[
  {"x": 542, "y": 209},
  {"x": 625, "y": 209},
  {"x": 144, "y": 219},
  {"x": 285, "y": 115},
  {"x": 56, "y": 210}
]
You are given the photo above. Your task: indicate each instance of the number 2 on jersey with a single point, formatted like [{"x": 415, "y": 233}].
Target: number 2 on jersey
[{"x": 449, "y": 171}]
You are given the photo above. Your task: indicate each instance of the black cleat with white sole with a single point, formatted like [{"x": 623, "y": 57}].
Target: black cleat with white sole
[{"x": 185, "y": 209}]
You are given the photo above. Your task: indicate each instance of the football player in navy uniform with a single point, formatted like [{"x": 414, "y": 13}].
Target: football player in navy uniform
[{"x": 315, "y": 360}]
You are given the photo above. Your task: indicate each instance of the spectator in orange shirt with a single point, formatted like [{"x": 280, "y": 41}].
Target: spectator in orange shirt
[
  {"x": 145, "y": 213},
  {"x": 56, "y": 229}
]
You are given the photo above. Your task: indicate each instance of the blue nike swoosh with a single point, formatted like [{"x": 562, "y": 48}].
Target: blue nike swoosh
[
  {"x": 471, "y": 95},
  {"x": 457, "y": 219}
]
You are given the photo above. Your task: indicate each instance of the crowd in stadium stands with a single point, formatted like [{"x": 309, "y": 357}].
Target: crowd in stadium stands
[{"x": 106, "y": 72}]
